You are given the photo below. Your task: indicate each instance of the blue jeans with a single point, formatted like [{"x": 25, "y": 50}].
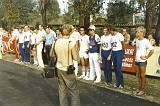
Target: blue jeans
[
  {"x": 21, "y": 50},
  {"x": 107, "y": 66},
  {"x": 26, "y": 52},
  {"x": 117, "y": 57}
]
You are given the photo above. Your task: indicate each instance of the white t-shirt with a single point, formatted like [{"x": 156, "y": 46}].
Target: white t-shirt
[
  {"x": 106, "y": 42},
  {"x": 75, "y": 36},
  {"x": 142, "y": 48},
  {"x": 1, "y": 37},
  {"x": 84, "y": 43},
  {"x": 116, "y": 42},
  {"x": 40, "y": 36},
  {"x": 27, "y": 36},
  {"x": 15, "y": 34},
  {"x": 21, "y": 38},
  {"x": 33, "y": 38}
]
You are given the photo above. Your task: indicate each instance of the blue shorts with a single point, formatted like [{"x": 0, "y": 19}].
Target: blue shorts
[{"x": 139, "y": 64}]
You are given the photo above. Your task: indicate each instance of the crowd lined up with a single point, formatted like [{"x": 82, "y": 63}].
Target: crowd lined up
[{"x": 92, "y": 50}]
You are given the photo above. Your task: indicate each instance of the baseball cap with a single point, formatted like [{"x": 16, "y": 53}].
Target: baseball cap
[{"x": 92, "y": 27}]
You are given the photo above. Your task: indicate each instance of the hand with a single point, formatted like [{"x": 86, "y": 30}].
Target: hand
[
  {"x": 109, "y": 58},
  {"x": 100, "y": 58}
]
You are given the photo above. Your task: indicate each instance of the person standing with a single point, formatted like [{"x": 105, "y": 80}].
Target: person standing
[
  {"x": 75, "y": 36},
  {"x": 105, "y": 50},
  {"x": 21, "y": 44},
  {"x": 117, "y": 55},
  {"x": 83, "y": 53},
  {"x": 66, "y": 52},
  {"x": 94, "y": 44},
  {"x": 13, "y": 40},
  {"x": 59, "y": 33},
  {"x": 48, "y": 44},
  {"x": 1, "y": 37},
  {"x": 144, "y": 50},
  {"x": 27, "y": 36},
  {"x": 126, "y": 36},
  {"x": 33, "y": 45},
  {"x": 39, "y": 44}
]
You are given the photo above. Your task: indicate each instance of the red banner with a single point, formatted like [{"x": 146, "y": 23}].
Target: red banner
[{"x": 128, "y": 64}]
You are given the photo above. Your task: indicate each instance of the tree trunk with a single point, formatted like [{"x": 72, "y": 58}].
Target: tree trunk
[
  {"x": 157, "y": 34},
  {"x": 84, "y": 19},
  {"x": 43, "y": 12},
  {"x": 148, "y": 20}
]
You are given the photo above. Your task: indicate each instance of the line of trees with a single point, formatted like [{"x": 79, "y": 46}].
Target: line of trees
[{"x": 18, "y": 12}]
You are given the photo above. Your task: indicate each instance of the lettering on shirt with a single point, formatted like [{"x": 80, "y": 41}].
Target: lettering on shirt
[{"x": 114, "y": 44}]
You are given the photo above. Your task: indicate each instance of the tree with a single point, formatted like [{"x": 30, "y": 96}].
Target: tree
[
  {"x": 15, "y": 12},
  {"x": 157, "y": 34},
  {"x": 85, "y": 8},
  {"x": 150, "y": 13},
  {"x": 119, "y": 12},
  {"x": 48, "y": 6}
]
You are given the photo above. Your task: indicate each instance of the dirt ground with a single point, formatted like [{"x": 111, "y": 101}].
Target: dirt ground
[{"x": 152, "y": 90}]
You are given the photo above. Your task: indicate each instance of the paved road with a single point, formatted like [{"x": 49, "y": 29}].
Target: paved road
[{"x": 21, "y": 86}]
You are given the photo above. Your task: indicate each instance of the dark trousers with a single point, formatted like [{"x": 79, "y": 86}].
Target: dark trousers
[
  {"x": 26, "y": 52},
  {"x": 107, "y": 66},
  {"x": 68, "y": 89},
  {"x": 117, "y": 57},
  {"x": 21, "y": 50},
  {"x": 47, "y": 51}
]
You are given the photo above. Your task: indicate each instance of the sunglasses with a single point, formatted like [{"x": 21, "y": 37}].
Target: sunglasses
[{"x": 81, "y": 30}]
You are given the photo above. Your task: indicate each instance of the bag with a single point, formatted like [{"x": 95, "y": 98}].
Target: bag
[
  {"x": 50, "y": 72},
  {"x": 70, "y": 69}
]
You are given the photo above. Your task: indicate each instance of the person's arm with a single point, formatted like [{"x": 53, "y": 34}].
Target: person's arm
[
  {"x": 74, "y": 53},
  {"x": 123, "y": 48},
  {"x": 100, "y": 53},
  {"x": 147, "y": 56}
]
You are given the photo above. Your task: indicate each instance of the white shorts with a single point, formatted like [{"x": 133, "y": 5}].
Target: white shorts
[{"x": 83, "y": 55}]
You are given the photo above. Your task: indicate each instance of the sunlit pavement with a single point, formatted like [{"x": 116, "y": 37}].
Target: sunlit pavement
[{"x": 23, "y": 86}]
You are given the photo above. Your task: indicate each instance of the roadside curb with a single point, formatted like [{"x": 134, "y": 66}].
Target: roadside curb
[{"x": 89, "y": 83}]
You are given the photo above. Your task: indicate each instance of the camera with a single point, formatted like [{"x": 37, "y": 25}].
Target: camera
[{"x": 70, "y": 69}]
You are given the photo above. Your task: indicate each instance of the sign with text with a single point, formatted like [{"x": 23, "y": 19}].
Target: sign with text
[{"x": 128, "y": 63}]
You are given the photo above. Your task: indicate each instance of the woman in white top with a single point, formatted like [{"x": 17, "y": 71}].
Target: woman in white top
[
  {"x": 105, "y": 50},
  {"x": 144, "y": 50}
]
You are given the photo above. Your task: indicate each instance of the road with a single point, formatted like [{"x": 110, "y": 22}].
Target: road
[{"x": 23, "y": 86}]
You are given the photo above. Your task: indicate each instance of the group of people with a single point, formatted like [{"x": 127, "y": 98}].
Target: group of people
[{"x": 85, "y": 46}]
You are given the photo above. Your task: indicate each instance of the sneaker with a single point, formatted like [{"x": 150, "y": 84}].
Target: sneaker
[
  {"x": 82, "y": 76},
  {"x": 140, "y": 93},
  {"x": 120, "y": 87},
  {"x": 97, "y": 81},
  {"x": 91, "y": 79},
  {"x": 108, "y": 84}
]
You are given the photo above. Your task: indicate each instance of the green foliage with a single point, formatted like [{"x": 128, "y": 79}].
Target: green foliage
[
  {"x": 120, "y": 13},
  {"x": 52, "y": 9}
]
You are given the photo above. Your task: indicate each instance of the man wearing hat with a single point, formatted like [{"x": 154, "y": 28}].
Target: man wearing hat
[{"x": 94, "y": 41}]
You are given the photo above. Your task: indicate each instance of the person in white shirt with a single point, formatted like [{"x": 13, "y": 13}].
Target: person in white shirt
[
  {"x": 117, "y": 54},
  {"x": 144, "y": 50},
  {"x": 94, "y": 44},
  {"x": 27, "y": 35},
  {"x": 1, "y": 37},
  {"x": 105, "y": 50},
  {"x": 33, "y": 44},
  {"x": 83, "y": 53},
  {"x": 39, "y": 43},
  {"x": 75, "y": 36},
  {"x": 21, "y": 43}
]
